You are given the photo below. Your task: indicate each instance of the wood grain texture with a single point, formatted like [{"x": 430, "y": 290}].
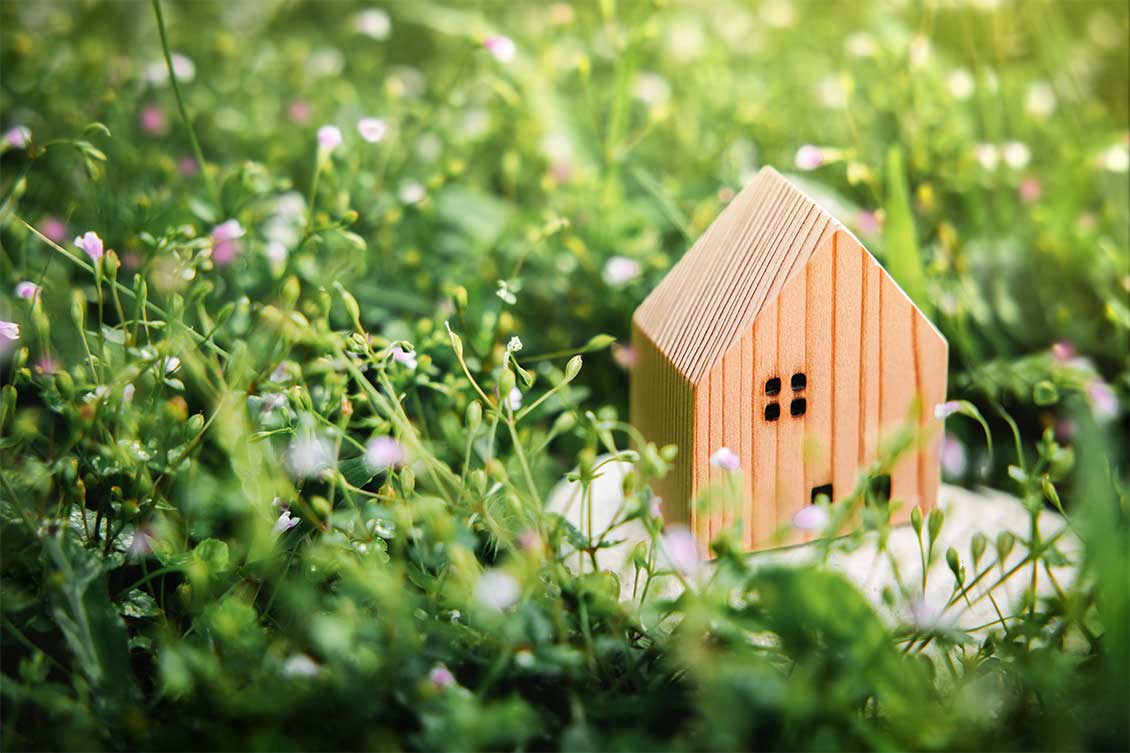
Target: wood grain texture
[{"x": 776, "y": 288}]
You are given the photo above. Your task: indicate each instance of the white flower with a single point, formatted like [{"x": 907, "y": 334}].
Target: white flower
[
  {"x": 809, "y": 157},
  {"x": 953, "y": 457},
  {"x": 309, "y": 457},
  {"x": 514, "y": 399},
  {"x": 942, "y": 411},
  {"x": 920, "y": 51},
  {"x": 329, "y": 137},
  {"x": 987, "y": 155},
  {"x": 285, "y": 523},
  {"x": 1016, "y": 154},
  {"x": 833, "y": 93},
  {"x": 620, "y": 270},
  {"x": 157, "y": 72},
  {"x": 170, "y": 365},
  {"x": 276, "y": 252},
  {"x": 1115, "y": 158},
  {"x": 497, "y": 590},
  {"x": 127, "y": 393},
  {"x": 501, "y": 47},
  {"x": 301, "y": 665},
  {"x": 652, "y": 89},
  {"x": 811, "y": 518},
  {"x": 861, "y": 45},
  {"x": 961, "y": 84},
  {"x": 725, "y": 459},
  {"x": 373, "y": 23},
  {"x": 383, "y": 452},
  {"x": 372, "y": 130},
  {"x": 1041, "y": 101},
  {"x": 411, "y": 193},
  {"x": 406, "y": 357},
  {"x": 514, "y": 345}
]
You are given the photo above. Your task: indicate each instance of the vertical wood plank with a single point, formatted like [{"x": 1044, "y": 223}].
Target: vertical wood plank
[
  {"x": 791, "y": 311},
  {"x": 745, "y": 432},
  {"x": 764, "y": 466},
  {"x": 734, "y": 423},
  {"x": 869, "y": 364},
  {"x": 846, "y": 434},
  {"x": 899, "y": 384}
]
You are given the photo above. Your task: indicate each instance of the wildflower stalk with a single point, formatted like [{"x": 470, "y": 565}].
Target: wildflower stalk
[{"x": 197, "y": 152}]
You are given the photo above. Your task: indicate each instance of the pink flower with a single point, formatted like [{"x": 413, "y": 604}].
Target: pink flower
[
  {"x": 225, "y": 241},
  {"x": 53, "y": 228},
  {"x": 141, "y": 545},
  {"x": 656, "y": 508},
  {"x": 152, "y": 119},
  {"x": 299, "y": 111},
  {"x": 383, "y": 452},
  {"x": 1030, "y": 190},
  {"x": 942, "y": 411},
  {"x": 625, "y": 356},
  {"x": 809, "y": 157},
  {"x": 441, "y": 677},
  {"x": 620, "y": 270},
  {"x": 1104, "y": 403},
  {"x": 501, "y": 47},
  {"x": 530, "y": 540},
  {"x": 187, "y": 167},
  {"x": 372, "y": 130},
  {"x": 18, "y": 137},
  {"x": 725, "y": 459},
  {"x": 46, "y": 365},
  {"x": 29, "y": 291},
  {"x": 1063, "y": 351},
  {"x": 91, "y": 244},
  {"x": 408, "y": 358},
  {"x": 811, "y": 518},
  {"x": 868, "y": 223},
  {"x": 679, "y": 550},
  {"x": 9, "y": 330},
  {"x": 953, "y": 457},
  {"x": 329, "y": 137}
]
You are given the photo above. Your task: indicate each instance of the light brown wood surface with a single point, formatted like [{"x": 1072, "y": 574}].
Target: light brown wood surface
[{"x": 776, "y": 288}]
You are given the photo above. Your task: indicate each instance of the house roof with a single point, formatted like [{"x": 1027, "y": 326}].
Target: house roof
[{"x": 715, "y": 292}]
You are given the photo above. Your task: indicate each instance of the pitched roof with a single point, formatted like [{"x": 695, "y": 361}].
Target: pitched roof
[{"x": 715, "y": 292}]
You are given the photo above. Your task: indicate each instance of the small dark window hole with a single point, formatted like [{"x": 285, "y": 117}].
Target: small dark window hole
[
  {"x": 773, "y": 386},
  {"x": 879, "y": 489},
  {"x": 825, "y": 490},
  {"x": 798, "y": 406},
  {"x": 772, "y": 412},
  {"x": 799, "y": 381}
]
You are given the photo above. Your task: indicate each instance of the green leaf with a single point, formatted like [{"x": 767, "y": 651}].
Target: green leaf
[{"x": 213, "y": 553}]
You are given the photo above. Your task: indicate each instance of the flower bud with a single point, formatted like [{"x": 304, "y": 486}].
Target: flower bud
[
  {"x": 573, "y": 368},
  {"x": 564, "y": 423},
  {"x": 407, "y": 481},
  {"x": 506, "y": 382},
  {"x": 977, "y": 547},
  {"x": 934, "y": 523},
  {"x": 916, "y": 521},
  {"x": 474, "y": 415}
]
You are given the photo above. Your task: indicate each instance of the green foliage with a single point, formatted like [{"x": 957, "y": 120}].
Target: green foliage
[{"x": 273, "y": 469}]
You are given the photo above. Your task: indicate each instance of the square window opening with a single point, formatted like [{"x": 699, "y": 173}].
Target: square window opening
[
  {"x": 772, "y": 412},
  {"x": 798, "y": 407},
  {"x": 823, "y": 491},
  {"x": 799, "y": 381},
  {"x": 773, "y": 386}
]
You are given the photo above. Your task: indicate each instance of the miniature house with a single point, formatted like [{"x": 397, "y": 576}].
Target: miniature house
[{"x": 779, "y": 337}]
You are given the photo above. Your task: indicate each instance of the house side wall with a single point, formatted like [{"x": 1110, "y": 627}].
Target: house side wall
[
  {"x": 662, "y": 409},
  {"x": 873, "y": 365}
]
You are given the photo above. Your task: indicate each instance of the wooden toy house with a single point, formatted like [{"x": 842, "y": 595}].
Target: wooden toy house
[{"x": 779, "y": 337}]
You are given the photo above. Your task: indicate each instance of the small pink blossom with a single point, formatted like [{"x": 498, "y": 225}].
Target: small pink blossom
[
  {"x": 141, "y": 545},
  {"x": 1063, "y": 351},
  {"x": 329, "y": 137},
  {"x": 9, "y": 330},
  {"x": 502, "y": 48},
  {"x": 18, "y": 137},
  {"x": 809, "y": 157},
  {"x": 54, "y": 229},
  {"x": 384, "y": 452},
  {"x": 811, "y": 518},
  {"x": 1065, "y": 429},
  {"x": 620, "y": 270},
  {"x": 953, "y": 457},
  {"x": 1104, "y": 402},
  {"x": 187, "y": 167},
  {"x": 225, "y": 241},
  {"x": 299, "y": 111},
  {"x": 868, "y": 223},
  {"x": 625, "y": 356},
  {"x": 1030, "y": 190},
  {"x": 942, "y": 411},
  {"x": 91, "y": 244},
  {"x": 46, "y": 365},
  {"x": 441, "y": 677},
  {"x": 725, "y": 459},
  {"x": 372, "y": 130},
  {"x": 27, "y": 290},
  {"x": 152, "y": 120},
  {"x": 679, "y": 550},
  {"x": 309, "y": 457},
  {"x": 656, "y": 508},
  {"x": 406, "y": 357},
  {"x": 530, "y": 540}
]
